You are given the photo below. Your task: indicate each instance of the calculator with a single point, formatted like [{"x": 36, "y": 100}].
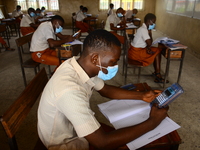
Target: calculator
[{"x": 168, "y": 95}]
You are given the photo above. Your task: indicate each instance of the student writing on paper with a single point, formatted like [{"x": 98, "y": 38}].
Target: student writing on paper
[
  {"x": 44, "y": 39},
  {"x": 65, "y": 119},
  {"x": 141, "y": 49}
]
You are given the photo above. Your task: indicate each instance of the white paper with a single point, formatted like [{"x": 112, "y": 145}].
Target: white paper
[
  {"x": 74, "y": 42},
  {"x": 124, "y": 113},
  {"x": 165, "y": 40},
  {"x": 130, "y": 26}
]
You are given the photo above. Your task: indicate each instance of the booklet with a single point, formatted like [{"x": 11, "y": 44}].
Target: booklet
[
  {"x": 176, "y": 46},
  {"x": 124, "y": 113},
  {"x": 164, "y": 40}
]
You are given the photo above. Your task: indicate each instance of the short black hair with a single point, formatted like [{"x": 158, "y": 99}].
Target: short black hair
[
  {"x": 43, "y": 7},
  {"x": 111, "y": 4},
  {"x": 57, "y": 17},
  {"x": 38, "y": 9},
  {"x": 31, "y": 9},
  {"x": 81, "y": 7},
  {"x": 149, "y": 16},
  {"x": 99, "y": 40},
  {"x": 18, "y": 6},
  {"x": 85, "y": 8}
]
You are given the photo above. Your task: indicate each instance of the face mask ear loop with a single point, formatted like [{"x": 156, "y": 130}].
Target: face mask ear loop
[{"x": 100, "y": 63}]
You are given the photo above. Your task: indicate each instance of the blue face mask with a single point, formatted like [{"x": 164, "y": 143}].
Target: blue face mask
[
  {"x": 112, "y": 71},
  {"x": 38, "y": 14},
  {"x": 152, "y": 26},
  {"x": 133, "y": 15},
  {"x": 85, "y": 13},
  {"x": 59, "y": 28},
  {"x": 119, "y": 15},
  {"x": 32, "y": 14}
]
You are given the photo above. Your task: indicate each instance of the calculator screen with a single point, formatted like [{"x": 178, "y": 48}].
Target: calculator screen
[{"x": 167, "y": 92}]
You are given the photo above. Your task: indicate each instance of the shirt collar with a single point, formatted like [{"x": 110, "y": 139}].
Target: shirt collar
[
  {"x": 144, "y": 25},
  {"x": 82, "y": 74}
]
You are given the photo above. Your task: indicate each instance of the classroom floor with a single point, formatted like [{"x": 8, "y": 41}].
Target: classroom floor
[{"x": 184, "y": 110}]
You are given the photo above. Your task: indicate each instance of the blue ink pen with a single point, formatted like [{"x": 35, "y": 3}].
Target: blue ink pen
[{"x": 75, "y": 34}]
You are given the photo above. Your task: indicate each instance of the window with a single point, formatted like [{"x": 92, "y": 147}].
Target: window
[
  {"x": 189, "y": 8},
  {"x": 125, "y": 4},
  {"x": 51, "y": 5}
]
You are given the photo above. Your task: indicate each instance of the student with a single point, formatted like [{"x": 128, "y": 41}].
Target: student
[
  {"x": 43, "y": 11},
  {"x": 75, "y": 14},
  {"x": 65, "y": 119},
  {"x": 17, "y": 13},
  {"x": 141, "y": 49},
  {"x": 116, "y": 22},
  {"x": 38, "y": 15},
  {"x": 5, "y": 45},
  {"x": 130, "y": 14},
  {"x": 110, "y": 10},
  {"x": 82, "y": 21},
  {"x": 44, "y": 39},
  {"x": 28, "y": 24}
]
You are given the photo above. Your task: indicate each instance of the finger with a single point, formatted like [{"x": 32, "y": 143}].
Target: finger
[{"x": 157, "y": 91}]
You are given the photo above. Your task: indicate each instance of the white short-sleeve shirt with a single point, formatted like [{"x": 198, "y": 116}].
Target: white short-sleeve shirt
[
  {"x": 44, "y": 32},
  {"x": 80, "y": 16},
  {"x": 16, "y": 13},
  {"x": 26, "y": 21},
  {"x": 140, "y": 37},
  {"x": 110, "y": 12},
  {"x": 64, "y": 111},
  {"x": 112, "y": 19},
  {"x": 128, "y": 14}
]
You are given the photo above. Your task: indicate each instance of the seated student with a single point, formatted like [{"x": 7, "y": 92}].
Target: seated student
[
  {"x": 141, "y": 49},
  {"x": 130, "y": 14},
  {"x": 75, "y": 14},
  {"x": 65, "y": 119},
  {"x": 27, "y": 24},
  {"x": 17, "y": 13},
  {"x": 115, "y": 20},
  {"x": 43, "y": 11},
  {"x": 82, "y": 21},
  {"x": 44, "y": 39},
  {"x": 38, "y": 15},
  {"x": 110, "y": 10},
  {"x": 5, "y": 45}
]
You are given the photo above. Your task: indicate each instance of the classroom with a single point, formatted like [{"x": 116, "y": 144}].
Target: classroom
[{"x": 177, "y": 20}]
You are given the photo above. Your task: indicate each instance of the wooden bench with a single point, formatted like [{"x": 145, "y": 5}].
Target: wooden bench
[{"x": 17, "y": 112}]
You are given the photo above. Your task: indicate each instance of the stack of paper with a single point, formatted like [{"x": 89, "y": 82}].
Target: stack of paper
[
  {"x": 164, "y": 40},
  {"x": 124, "y": 113},
  {"x": 176, "y": 46},
  {"x": 130, "y": 26}
]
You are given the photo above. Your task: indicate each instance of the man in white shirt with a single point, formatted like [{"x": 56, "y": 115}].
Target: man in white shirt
[
  {"x": 65, "y": 119},
  {"x": 27, "y": 24},
  {"x": 17, "y": 13},
  {"x": 44, "y": 39},
  {"x": 116, "y": 22},
  {"x": 130, "y": 14},
  {"x": 110, "y": 10}
]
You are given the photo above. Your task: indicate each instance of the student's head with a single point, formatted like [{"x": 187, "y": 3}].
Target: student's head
[
  {"x": 18, "y": 7},
  {"x": 135, "y": 11},
  {"x": 120, "y": 12},
  {"x": 81, "y": 7},
  {"x": 100, "y": 49},
  {"x": 38, "y": 11},
  {"x": 57, "y": 22},
  {"x": 42, "y": 9},
  {"x": 150, "y": 20},
  {"x": 111, "y": 5},
  {"x": 84, "y": 9},
  {"x": 31, "y": 12}
]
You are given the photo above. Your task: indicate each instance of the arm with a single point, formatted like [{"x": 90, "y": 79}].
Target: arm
[
  {"x": 120, "y": 137},
  {"x": 55, "y": 43},
  {"x": 149, "y": 43},
  {"x": 110, "y": 92}
]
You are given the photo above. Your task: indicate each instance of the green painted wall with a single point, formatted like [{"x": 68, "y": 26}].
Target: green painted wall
[{"x": 179, "y": 27}]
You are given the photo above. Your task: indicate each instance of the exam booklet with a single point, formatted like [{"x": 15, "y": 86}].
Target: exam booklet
[
  {"x": 164, "y": 40},
  {"x": 176, "y": 46},
  {"x": 124, "y": 113}
]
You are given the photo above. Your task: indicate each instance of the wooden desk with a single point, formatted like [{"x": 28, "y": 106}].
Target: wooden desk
[
  {"x": 12, "y": 23},
  {"x": 170, "y": 141},
  {"x": 172, "y": 55},
  {"x": 64, "y": 54}
]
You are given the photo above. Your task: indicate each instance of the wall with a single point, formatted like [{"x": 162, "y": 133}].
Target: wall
[
  {"x": 178, "y": 27},
  {"x": 68, "y": 7}
]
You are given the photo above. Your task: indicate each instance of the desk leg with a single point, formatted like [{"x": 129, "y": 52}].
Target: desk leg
[
  {"x": 181, "y": 65},
  {"x": 166, "y": 71}
]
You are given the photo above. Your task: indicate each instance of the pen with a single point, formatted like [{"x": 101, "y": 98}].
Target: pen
[{"x": 75, "y": 34}]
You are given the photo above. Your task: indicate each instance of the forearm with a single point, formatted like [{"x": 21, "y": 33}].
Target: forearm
[
  {"x": 113, "y": 92},
  {"x": 56, "y": 43}
]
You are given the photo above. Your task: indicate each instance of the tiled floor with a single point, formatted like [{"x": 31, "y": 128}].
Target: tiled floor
[{"x": 184, "y": 110}]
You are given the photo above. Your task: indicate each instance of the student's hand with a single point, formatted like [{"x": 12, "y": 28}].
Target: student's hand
[
  {"x": 69, "y": 39},
  {"x": 157, "y": 114},
  {"x": 149, "y": 96},
  {"x": 149, "y": 51}
]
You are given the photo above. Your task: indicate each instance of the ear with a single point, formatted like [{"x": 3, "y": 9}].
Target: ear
[{"x": 95, "y": 59}]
